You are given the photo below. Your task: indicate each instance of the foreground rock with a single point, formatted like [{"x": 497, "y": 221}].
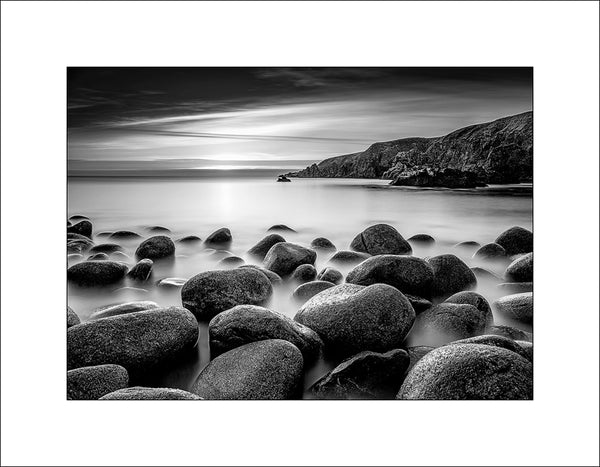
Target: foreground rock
[
  {"x": 518, "y": 307},
  {"x": 96, "y": 273},
  {"x": 157, "y": 247},
  {"x": 139, "y": 393},
  {"x": 308, "y": 290},
  {"x": 508, "y": 331},
  {"x": 122, "y": 309},
  {"x": 352, "y": 318},
  {"x": 381, "y": 239},
  {"x": 283, "y": 258},
  {"x": 516, "y": 240},
  {"x": 367, "y": 375},
  {"x": 262, "y": 248},
  {"x": 273, "y": 278},
  {"x": 331, "y": 275},
  {"x": 221, "y": 236},
  {"x": 268, "y": 369},
  {"x": 520, "y": 270},
  {"x": 304, "y": 273},
  {"x": 212, "y": 292},
  {"x": 248, "y": 323},
  {"x": 142, "y": 270},
  {"x": 450, "y": 275},
  {"x": 322, "y": 243},
  {"x": 447, "y": 322},
  {"x": 137, "y": 341},
  {"x": 475, "y": 299},
  {"x": 348, "y": 257},
  {"x": 409, "y": 274},
  {"x": 469, "y": 372},
  {"x": 93, "y": 382},
  {"x": 82, "y": 228},
  {"x": 490, "y": 251},
  {"x": 496, "y": 341},
  {"x": 72, "y": 318}
]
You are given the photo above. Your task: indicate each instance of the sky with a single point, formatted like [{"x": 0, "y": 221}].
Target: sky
[{"x": 237, "y": 118}]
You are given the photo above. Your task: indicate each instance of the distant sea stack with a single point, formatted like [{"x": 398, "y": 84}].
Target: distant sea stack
[{"x": 495, "y": 152}]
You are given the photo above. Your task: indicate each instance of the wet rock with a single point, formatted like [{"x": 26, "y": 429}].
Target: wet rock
[
  {"x": 122, "y": 309},
  {"x": 142, "y": 270},
  {"x": 212, "y": 292},
  {"x": 490, "y": 251},
  {"x": 93, "y": 382},
  {"x": 518, "y": 307},
  {"x": 419, "y": 304},
  {"x": 331, "y": 275},
  {"x": 156, "y": 247},
  {"x": 304, "y": 273},
  {"x": 106, "y": 248},
  {"x": 447, "y": 322},
  {"x": 243, "y": 324},
  {"x": 468, "y": 245},
  {"x": 381, "y": 239},
  {"x": 78, "y": 217},
  {"x": 484, "y": 275},
  {"x": 469, "y": 372},
  {"x": 283, "y": 258},
  {"x": 516, "y": 240},
  {"x": 171, "y": 283},
  {"x": 83, "y": 228},
  {"x": 139, "y": 393},
  {"x": 221, "y": 236},
  {"x": 521, "y": 269},
  {"x": 475, "y": 299},
  {"x": 137, "y": 341},
  {"x": 230, "y": 262},
  {"x": 72, "y": 318},
  {"x": 417, "y": 353},
  {"x": 159, "y": 229},
  {"x": 515, "y": 287},
  {"x": 273, "y": 278},
  {"x": 367, "y": 375},
  {"x": 268, "y": 369},
  {"x": 352, "y": 318},
  {"x": 98, "y": 257},
  {"x": 96, "y": 273},
  {"x": 79, "y": 246},
  {"x": 310, "y": 289},
  {"x": 422, "y": 239},
  {"x": 262, "y": 248},
  {"x": 409, "y": 274},
  {"x": 450, "y": 275},
  {"x": 348, "y": 257},
  {"x": 527, "y": 349},
  {"x": 322, "y": 243},
  {"x": 190, "y": 239},
  {"x": 495, "y": 341},
  {"x": 508, "y": 331},
  {"x": 280, "y": 228},
  {"x": 124, "y": 235}
]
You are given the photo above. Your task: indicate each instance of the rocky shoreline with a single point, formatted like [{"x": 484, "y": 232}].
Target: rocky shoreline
[{"x": 396, "y": 326}]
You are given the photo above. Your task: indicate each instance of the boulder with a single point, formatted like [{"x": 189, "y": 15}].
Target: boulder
[
  {"x": 283, "y": 258},
  {"x": 138, "y": 341},
  {"x": 348, "y": 257},
  {"x": 409, "y": 274},
  {"x": 515, "y": 287},
  {"x": 280, "y": 228},
  {"x": 262, "y": 248},
  {"x": 304, "y": 273},
  {"x": 122, "y": 309},
  {"x": 243, "y": 324},
  {"x": 496, "y": 341},
  {"x": 516, "y": 240},
  {"x": 142, "y": 270},
  {"x": 490, "y": 251},
  {"x": 447, "y": 322},
  {"x": 469, "y": 245},
  {"x": 331, "y": 275},
  {"x": 322, "y": 243},
  {"x": 98, "y": 257},
  {"x": 230, "y": 262},
  {"x": 124, "y": 235},
  {"x": 72, "y": 318},
  {"x": 212, "y": 292},
  {"x": 469, "y": 372},
  {"x": 138, "y": 393},
  {"x": 450, "y": 275},
  {"x": 156, "y": 247},
  {"x": 171, "y": 283},
  {"x": 367, "y": 375},
  {"x": 517, "y": 307},
  {"x": 273, "y": 278},
  {"x": 475, "y": 299},
  {"x": 189, "y": 239},
  {"x": 83, "y": 228},
  {"x": 96, "y": 273},
  {"x": 78, "y": 217},
  {"x": 351, "y": 318},
  {"x": 93, "y": 382},
  {"x": 267, "y": 369},
  {"x": 221, "y": 236},
  {"x": 521, "y": 269},
  {"x": 159, "y": 229},
  {"x": 308, "y": 290},
  {"x": 381, "y": 239},
  {"x": 508, "y": 331},
  {"x": 422, "y": 239}
]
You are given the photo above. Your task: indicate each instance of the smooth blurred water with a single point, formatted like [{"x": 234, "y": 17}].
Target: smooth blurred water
[{"x": 334, "y": 208}]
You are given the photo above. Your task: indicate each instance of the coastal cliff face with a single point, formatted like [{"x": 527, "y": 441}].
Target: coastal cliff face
[{"x": 495, "y": 152}]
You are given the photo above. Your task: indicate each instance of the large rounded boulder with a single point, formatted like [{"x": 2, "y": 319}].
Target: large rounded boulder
[
  {"x": 447, "y": 322},
  {"x": 516, "y": 240},
  {"x": 517, "y": 307},
  {"x": 409, "y": 274},
  {"x": 82, "y": 228},
  {"x": 322, "y": 243},
  {"x": 284, "y": 257},
  {"x": 381, "y": 239},
  {"x": 249, "y": 323},
  {"x": 469, "y": 372},
  {"x": 331, "y": 275},
  {"x": 304, "y": 273},
  {"x": 262, "y": 248},
  {"x": 157, "y": 247},
  {"x": 490, "y": 251},
  {"x": 351, "y": 318},
  {"x": 96, "y": 273},
  {"x": 137, "y": 341},
  {"x": 139, "y": 393},
  {"x": 450, "y": 275},
  {"x": 475, "y": 299},
  {"x": 221, "y": 236},
  {"x": 521, "y": 269},
  {"x": 209, "y": 293},
  {"x": 267, "y": 369},
  {"x": 93, "y": 382},
  {"x": 142, "y": 270},
  {"x": 273, "y": 278}
]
